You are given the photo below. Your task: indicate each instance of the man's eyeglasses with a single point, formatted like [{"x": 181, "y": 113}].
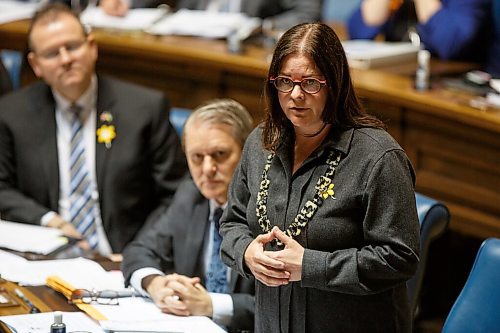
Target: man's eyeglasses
[
  {"x": 105, "y": 297},
  {"x": 70, "y": 47},
  {"x": 309, "y": 85}
]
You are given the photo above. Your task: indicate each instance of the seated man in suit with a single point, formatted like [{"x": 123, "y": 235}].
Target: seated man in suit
[
  {"x": 171, "y": 260},
  {"x": 283, "y": 13},
  {"x": 82, "y": 152}
]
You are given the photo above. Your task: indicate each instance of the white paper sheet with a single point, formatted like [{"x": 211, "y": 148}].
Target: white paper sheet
[
  {"x": 136, "y": 19},
  {"x": 40, "y": 322},
  {"x": 81, "y": 273},
  {"x": 15, "y": 10},
  {"x": 205, "y": 24},
  {"x": 366, "y": 54},
  {"x": 173, "y": 325},
  {"x": 141, "y": 314},
  {"x": 30, "y": 238}
]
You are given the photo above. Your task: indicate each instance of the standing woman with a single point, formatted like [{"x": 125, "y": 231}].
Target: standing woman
[{"x": 321, "y": 209}]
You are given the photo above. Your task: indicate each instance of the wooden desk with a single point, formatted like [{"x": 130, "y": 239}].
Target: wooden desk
[
  {"x": 455, "y": 148},
  {"x": 44, "y": 298},
  {"x": 189, "y": 71}
]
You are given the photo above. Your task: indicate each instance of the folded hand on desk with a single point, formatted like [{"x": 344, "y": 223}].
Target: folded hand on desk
[{"x": 180, "y": 295}]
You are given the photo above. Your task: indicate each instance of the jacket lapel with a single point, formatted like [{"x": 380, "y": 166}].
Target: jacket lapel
[
  {"x": 45, "y": 108},
  {"x": 104, "y": 116},
  {"x": 195, "y": 241}
]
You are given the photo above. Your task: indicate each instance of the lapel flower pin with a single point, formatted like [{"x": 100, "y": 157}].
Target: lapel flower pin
[
  {"x": 107, "y": 132},
  {"x": 326, "y": 190},
  {"x": 106, "y": 117}
]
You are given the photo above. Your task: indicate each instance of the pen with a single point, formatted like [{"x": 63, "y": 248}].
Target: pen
[
  {"x": 129, "y": 292},
  {"x": 33, "y": 309}
]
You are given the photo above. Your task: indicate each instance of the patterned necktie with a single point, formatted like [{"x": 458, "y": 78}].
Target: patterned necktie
[
  {"x": 82, "y": 206},
  {"x": 216, "y": 276}
]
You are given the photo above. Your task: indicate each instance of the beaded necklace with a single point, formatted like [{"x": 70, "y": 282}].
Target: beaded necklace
[{"x": 324, "y": 190}]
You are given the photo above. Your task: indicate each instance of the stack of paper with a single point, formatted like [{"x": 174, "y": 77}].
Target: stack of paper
[
  {"x": 138, "y": 314},
  {"x": 79, "y": 272},
  {"x": 364, "y": 54},
  {"x": 30, "y": 238},
  {"x": 16, "y": 10},
  {"x": 173, "y": 324},
  {"x": 136, "y": 19},
  {"x": 40, "y": 322},
  {"x": 205, "y": 24}
]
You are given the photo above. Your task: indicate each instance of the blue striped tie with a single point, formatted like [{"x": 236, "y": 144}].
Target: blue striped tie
[
  {"x": 216, "y": 277},
  {"x": 82, "y": 206}
]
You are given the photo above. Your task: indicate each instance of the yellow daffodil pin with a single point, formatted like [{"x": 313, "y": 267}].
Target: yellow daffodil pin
[
  {"x": 326, "y": 192},
  {"x": 106, "y": 134}
]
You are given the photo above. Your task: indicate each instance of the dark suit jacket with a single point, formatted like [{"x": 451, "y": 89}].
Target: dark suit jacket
[
  {"x": 5, "y": 84},
  {"x": 140, "y": 171},
  {"x": 174, "y": 243}
]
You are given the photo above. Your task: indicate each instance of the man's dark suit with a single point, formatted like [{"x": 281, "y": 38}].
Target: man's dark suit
[
  {"x": 138, "y": 173},
  {"x": 174, "y": 244},
  {"x": 5, "y": 84}
]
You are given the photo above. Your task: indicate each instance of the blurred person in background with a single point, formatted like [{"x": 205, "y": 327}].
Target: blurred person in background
[{"x": 449, "y": 29}]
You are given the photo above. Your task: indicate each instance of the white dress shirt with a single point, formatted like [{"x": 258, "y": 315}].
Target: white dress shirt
[{"x": 63, "y": 124}]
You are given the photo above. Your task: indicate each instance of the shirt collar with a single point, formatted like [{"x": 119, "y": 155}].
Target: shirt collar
[
  {"x": 339, "y": 139},
  {"x": 214, "y": 205},
  {"x": 87, "y": 101}
]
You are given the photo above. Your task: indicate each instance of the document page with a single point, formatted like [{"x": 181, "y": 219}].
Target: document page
[
  {"x": 205, "y": 24},
  {"x": 136, "y": 19},
  {"x": 366, "y": 54},
  {"x": 81, "y": 273},
  {"x": 30, "y": 238},
  {"x": 16, "y": 10},
  {"x": 40, "y": 322},
  {"x": 173, "y": 325},
  {"x": 134, "y": 314}
]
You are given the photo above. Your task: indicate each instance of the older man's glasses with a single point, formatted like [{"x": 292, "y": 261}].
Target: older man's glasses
[
  {"x": 286, "y": 84},
  {"x": 105, "y": 297}
]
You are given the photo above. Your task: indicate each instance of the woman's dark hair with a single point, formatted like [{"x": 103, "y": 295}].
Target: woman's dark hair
[{"x": 342, "y": 109}]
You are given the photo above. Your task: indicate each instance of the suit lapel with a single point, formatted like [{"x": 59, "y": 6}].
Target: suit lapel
[
  {"x": 45, "y": 109},
  {"x": 104, "y": 116},
  {"x": 196, "y": 240}
]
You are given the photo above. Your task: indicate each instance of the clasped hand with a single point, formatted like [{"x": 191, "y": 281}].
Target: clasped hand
[
  {"x": 180, "y": 295},
  {"x": 275, "y": 268}
]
